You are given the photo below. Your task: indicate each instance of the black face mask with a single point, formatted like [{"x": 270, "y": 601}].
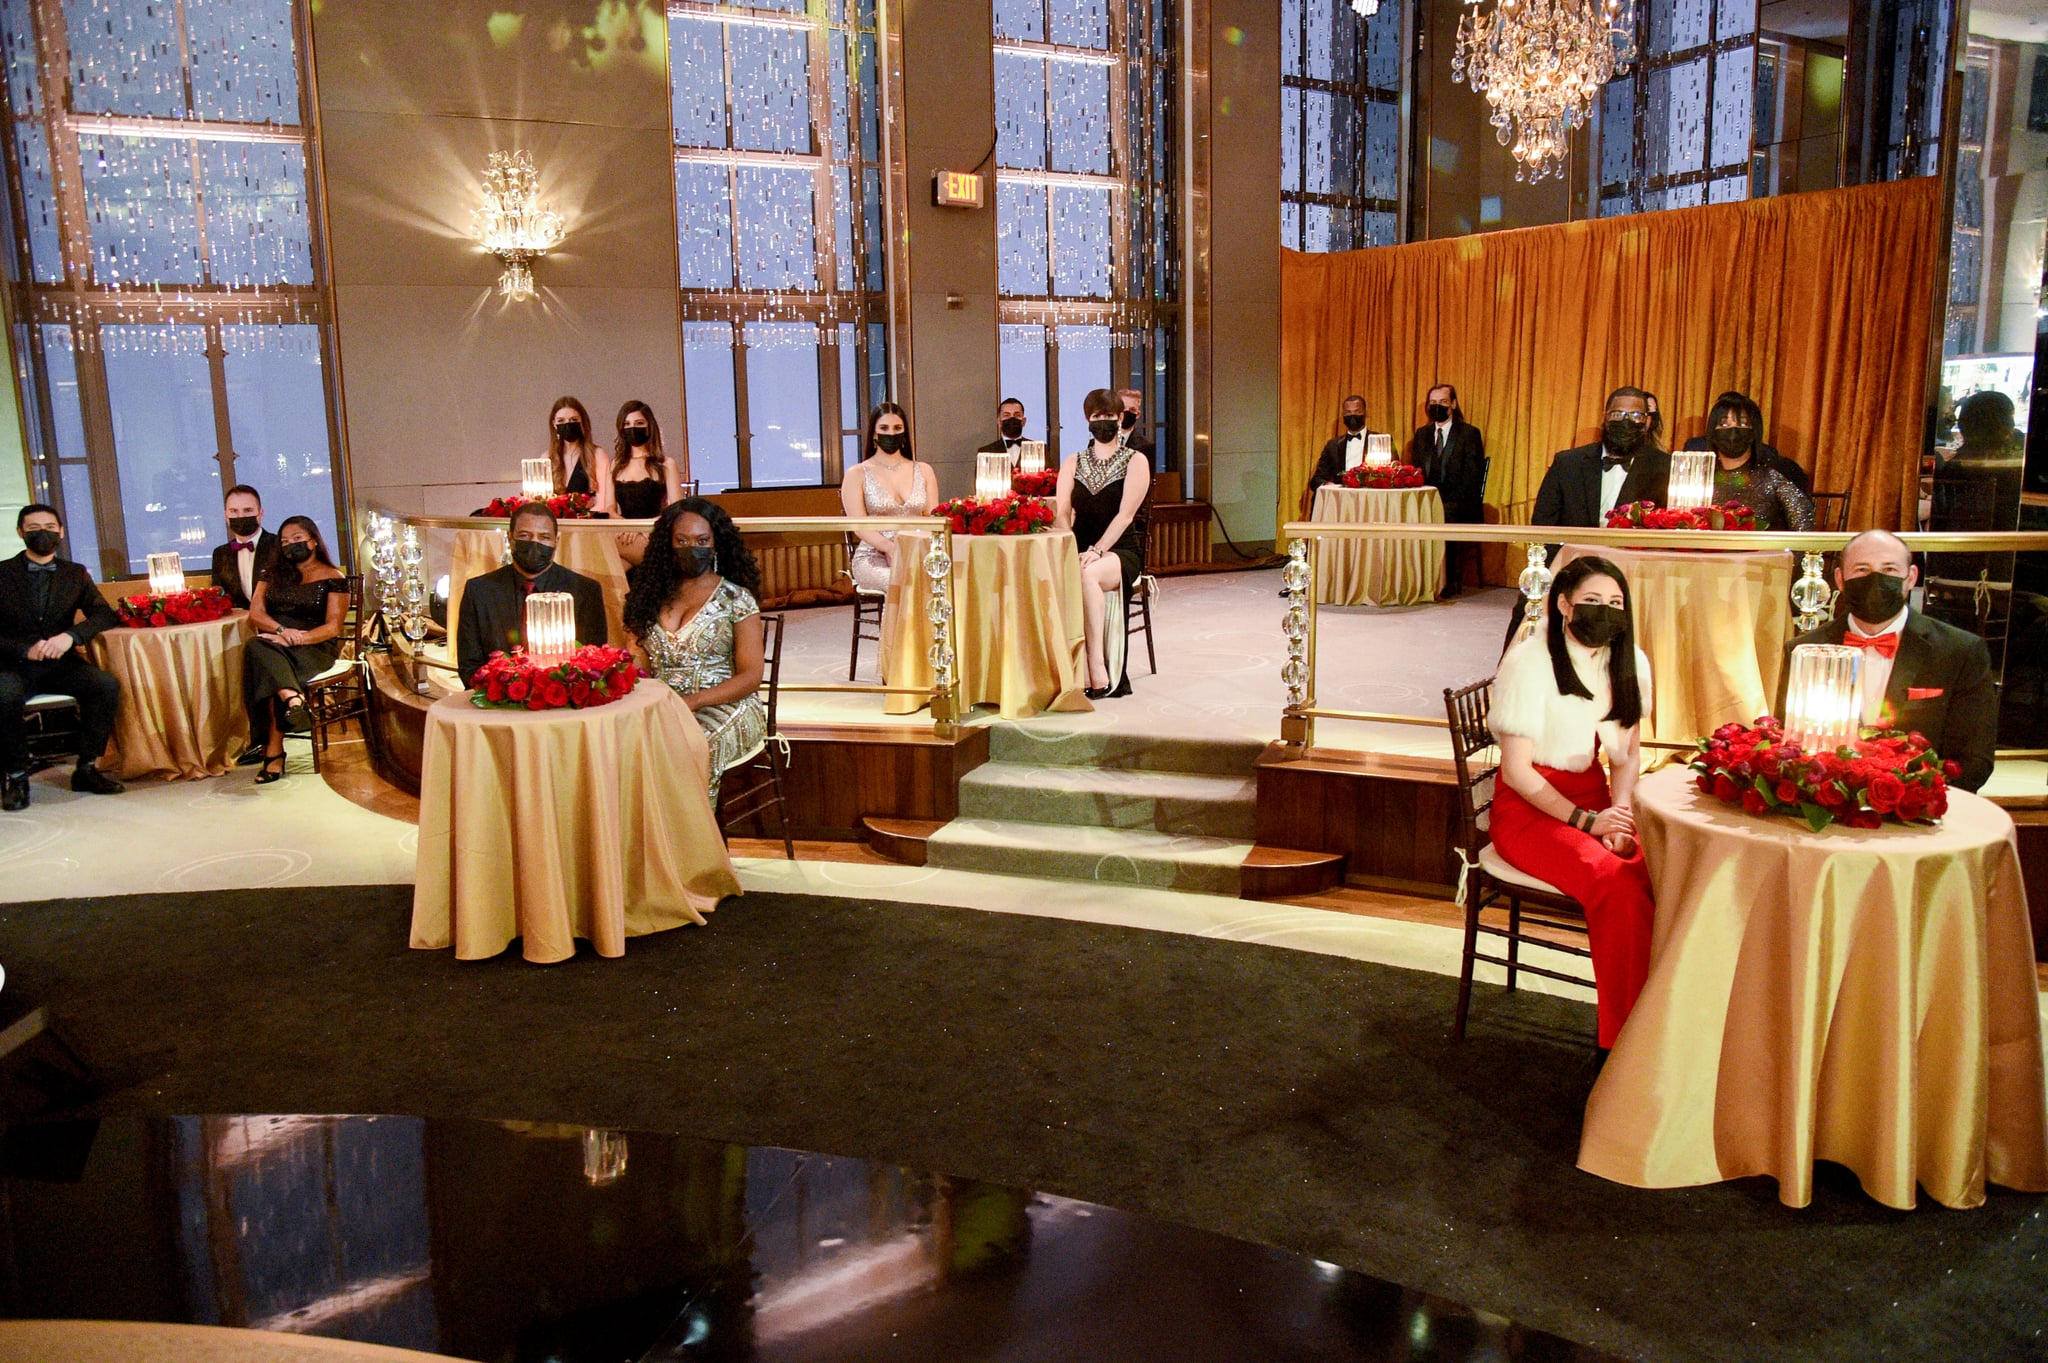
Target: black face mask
[
  {"x": 1012, "y": 427},
  {"x": 1354, "y": 422},
  {"x": 637, "y": 435},
  {"x": 532, "y": 557},
  {"x": 241, "y": 527},
  {"x": 42, "y": 542},
  {"x": 1595, "y": 625},
  {"x": 1104, "y": 429},
  {"x": 1130, "y": 420},
  {"x": 1623, "y": 437},
  {"x": 296, "y": 552},
  {"x": 1875, "y": 597},
  {"x": 696, "y": 560},
  {"x": 1731, "y": 442},
  {"x": 891, "y": 443},
  {"x": 569, "y": 432},
  {"x": 1438, "y": 412}
]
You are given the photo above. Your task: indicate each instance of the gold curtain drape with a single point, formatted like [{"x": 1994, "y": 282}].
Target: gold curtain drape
[{"x": 1816, "y": 305}]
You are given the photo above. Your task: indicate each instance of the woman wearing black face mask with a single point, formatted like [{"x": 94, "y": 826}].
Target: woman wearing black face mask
[
  {"x": 1776, "y": 501},
  {"x": 691, "y": 609},
  {"x": 642, "y": 479},
  {"x": 888, "y": 481},
  {"x": 297, "y": 612},
  {"x": 571, "y": 456},
  {"x": 1101, "y": 498},
  {"x": 1559, "y": 701}
]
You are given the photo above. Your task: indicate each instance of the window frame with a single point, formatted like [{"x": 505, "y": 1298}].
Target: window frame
[{"x": 1358, "y": 96}]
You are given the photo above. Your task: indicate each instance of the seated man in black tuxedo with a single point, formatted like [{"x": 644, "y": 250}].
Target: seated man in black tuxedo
[
  {"x": 1340, "y": 452},
  {"x": 493, "y": 618},
  {"x": 1451, "y": 453},
  {"x": 1766, "y": 456},
  {"x": 238, "y": 565},
  {"x": 1586, "y": 482},
  {"x": 1133, "y": 422},
  {"x": 42, "y": 599},
  {"x": 1010, "y": 422},
  {"x": 1918, "y": 674}
]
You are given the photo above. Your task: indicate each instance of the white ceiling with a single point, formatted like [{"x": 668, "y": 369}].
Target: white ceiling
[
  {"x": 2019, "y": 21},
  {"x": 2024, "y": 21}
]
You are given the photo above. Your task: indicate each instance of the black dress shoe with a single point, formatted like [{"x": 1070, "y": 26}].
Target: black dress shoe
[
  {"x": 14, "y": 791},
  {"x": 92, "y": 781},
  {"x": 251, "y": 755}
]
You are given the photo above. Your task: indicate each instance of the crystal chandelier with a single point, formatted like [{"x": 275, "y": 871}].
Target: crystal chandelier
[
  {"x": 1540, "y": 64},
  {"x": 513, "y": 224}
]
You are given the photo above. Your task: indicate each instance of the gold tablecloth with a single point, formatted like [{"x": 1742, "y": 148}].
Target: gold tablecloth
[
  {"x": 1714, "y": 625},
  {"x": 181, "y": 715},
  {"x": 1018, "y": 641},
  {"x": 1357, "y": 572},
  {"x": 557, "y": 824},
  {"x": 1861, "y": 996},
  {"x": 587, "y": 547}
]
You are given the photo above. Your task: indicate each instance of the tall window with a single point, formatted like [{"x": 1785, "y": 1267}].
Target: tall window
[
  {"x": 1085, "y": 215},
  {"x": 1676, "y": 130},
  {"x": 779, "y": 222},
  {"x": 170, "y": 334},
  {"x": 1340, "y": 125}
]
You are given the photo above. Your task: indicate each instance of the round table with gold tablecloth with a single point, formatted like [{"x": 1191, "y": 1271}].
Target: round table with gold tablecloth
[
  {"x": 1018, "y": 641},
  {"x": 1373, "y": 572},
  {"x": 550, "y": 825},
  {"x": 1714, "y": 626},
  {"x": 1865, "y": 996},
  {"x": 589, "y": 547},
  {"x": 182, "y": 715}
]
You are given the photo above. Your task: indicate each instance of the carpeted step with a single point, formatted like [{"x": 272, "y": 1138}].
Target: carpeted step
[
  {"x": 1119, "y": 856},
  {"x": 1040, "y": 744},
  {"x": 1108, "y": 797}
]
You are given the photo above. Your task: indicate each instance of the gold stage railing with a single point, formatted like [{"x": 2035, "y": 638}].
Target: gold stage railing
[
  {"x": 393, "y": 547},
  {"x": 1298, "y": 719}
]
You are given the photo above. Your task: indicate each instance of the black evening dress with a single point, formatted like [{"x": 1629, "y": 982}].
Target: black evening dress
[
  {"x": 640, "y": 500},
  {"x": 1097, "y": 499},
  {"x": 270, "y": 668},
  {"x": 578, "y": 480}
]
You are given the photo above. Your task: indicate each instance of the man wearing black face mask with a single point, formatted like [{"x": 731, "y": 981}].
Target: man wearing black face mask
[
  {"x": 493, "y": 614},
  {"x": 1340, "y": 452},
  {"x": 239, "y": 564},
  {"x": 42, "y": 600},
  {"x": 1133, "y": 421},
  {"x": 1010, "y": 422},
  {"x": 1583, "y": 484},
  {"x": 1919, "y": 675},
  {"x": 1451, "y": 453}
]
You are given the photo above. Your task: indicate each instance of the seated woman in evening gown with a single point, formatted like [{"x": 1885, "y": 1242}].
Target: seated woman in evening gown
[
  {"x": 1741, "y": 476},
  {"x": 572, "y": 458},
  {"x": 1101, "y": 498},
  {"x": 297, "y": 611},
  {"x": 695, "y": 625},
  {"x": 888, "y": 481},
  {"x": 642, "y": 478},
  {"x": 1561, "y": 697}
]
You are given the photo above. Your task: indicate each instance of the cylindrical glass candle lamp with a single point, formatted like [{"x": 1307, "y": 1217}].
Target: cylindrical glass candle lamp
[
  {"x": 1379, "y": 448},
  {"x": 550, "y": 626},
  {"x": 991, "y": 475},
  {"x": 166, "y": 574},
  {"x": 1823, "y": 697},
  {"x": 536, "y": 480},
  {"x": 1031, "y": 457},
  {"x": 1692, "y": 479}
]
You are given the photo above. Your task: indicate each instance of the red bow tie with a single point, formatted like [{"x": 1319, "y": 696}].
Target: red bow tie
[{"x": 1886, "y": 644}]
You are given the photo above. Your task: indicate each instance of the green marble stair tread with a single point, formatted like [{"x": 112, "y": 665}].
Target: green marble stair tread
[
  {"x": 1122, "y": 856},
  {"x": 1176, "y": 802}
]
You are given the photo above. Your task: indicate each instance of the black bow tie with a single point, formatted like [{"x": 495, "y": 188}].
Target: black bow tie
[
  {"x": 49, "y": 567},
  {"x": 1610, "y": 460}
]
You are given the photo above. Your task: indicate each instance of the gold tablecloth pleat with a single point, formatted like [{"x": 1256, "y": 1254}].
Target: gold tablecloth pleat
[
  {"x": 1714, "y": 625},
  {"x": 587, "y": 547},
  {"x": 557, "y": 824},
  {"x": 1353, "y": 572},
  {"x": 1861, "y": 996},
  {"x": 181, "y": 715},
  {"x": 1018, "y": 641}
]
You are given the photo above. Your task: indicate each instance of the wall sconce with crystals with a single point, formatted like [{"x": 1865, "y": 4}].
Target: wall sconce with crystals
[
  {"x": 1540, "y": 64},
  {"x": 513, "y": 224}
]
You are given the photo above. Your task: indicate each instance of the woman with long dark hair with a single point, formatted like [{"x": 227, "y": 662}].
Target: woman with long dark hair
[
  {"x": 641, "y": 478},
  {"x": 1561, "y": 699},
  {"x": 1734, "y": 428},
  {"x": 888, "y": 481},
  {"x": 696, "y": 626},
  {"x": 297, "y": 610},
  {"x": 572, "y": 457}
]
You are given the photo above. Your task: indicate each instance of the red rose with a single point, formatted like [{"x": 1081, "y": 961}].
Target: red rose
[
  {"x": 579, "y": 691},
  {"x": 556, "y": 693},
  {"x": 1951, "y": 769},
  {"x": 1753, "y": 802},
  {"x": 1913, "y": 804},
  {"x": 1862, "y": 818},
  {"x": 1937, "y": 804},
  {"x": 1724, "y": 789},
  {"x": 1828, "y": 795},
  {"x": 1885, "y": 790},
  {"x": 1788, "y": 792},
  {"x": 516, "y": 689}
]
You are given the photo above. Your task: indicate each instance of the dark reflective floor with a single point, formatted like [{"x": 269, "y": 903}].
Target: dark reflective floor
[{"x": 525, "y": 1242}]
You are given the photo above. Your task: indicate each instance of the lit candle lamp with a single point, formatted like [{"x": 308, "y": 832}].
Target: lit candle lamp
[
  {"x": 1692, "y": 479},
  {"x": 166, "y": 574},
  {"x": 1031, "y": 457},
  {"x": 1379, "y": 448},
  {"x": 550, "y": 626},
  {"x": 536, "y": 480},
  {"x": 1823, "y": 697},
  {"x": 991, "y": 475}
]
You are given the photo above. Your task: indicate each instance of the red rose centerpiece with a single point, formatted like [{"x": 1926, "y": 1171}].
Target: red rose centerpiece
[
  {"x": 1044, "y": 483},
  {"x": 1650, "y": 516},
  {"x": 596, "y": 674},
  {"x": 1883, "y": 776},
  {"x": 154, "y": 610},
  {"x": 567, "y": 506},
  {"x": 1011, "y": 515},
  {"x": 1382, "y": 476}
]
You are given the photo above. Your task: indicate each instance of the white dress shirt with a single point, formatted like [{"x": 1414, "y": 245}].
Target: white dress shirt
[
  {"x": 1443, "y": 435},
  {"x": 1875, "y": 675},
  {"x": 1354, "y": 450},
  {"x": 246, "y": 562},
  {"x": 1610, "y": 487},
  {"x": 1565, "y": 732}
]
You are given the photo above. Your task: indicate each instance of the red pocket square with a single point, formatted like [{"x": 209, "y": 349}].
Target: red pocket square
[{"x": 1922, "y": 692}]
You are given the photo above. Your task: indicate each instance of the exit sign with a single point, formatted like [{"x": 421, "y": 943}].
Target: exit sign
[{"x": 956, "y": 189}]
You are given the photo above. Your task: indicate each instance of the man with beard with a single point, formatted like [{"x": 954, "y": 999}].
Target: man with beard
[
  {"x": 1585, "y": 483},
  {"x": 493, "y": 615},
  {"x": 1451, "y": 453},
  {"x": 1010, "y": 424}
]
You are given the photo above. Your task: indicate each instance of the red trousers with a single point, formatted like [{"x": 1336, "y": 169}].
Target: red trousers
[{"x": 1615, "y": 891}]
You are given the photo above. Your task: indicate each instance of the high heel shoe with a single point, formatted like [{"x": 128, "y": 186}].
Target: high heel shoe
[
  {"x": 1098, "y": 692},
  {"x": 297, "y": 720},
  {"x": 266, "y": 776}
]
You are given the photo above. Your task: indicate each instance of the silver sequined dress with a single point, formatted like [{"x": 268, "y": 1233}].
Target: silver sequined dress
[{"x": 699, "y": 656}]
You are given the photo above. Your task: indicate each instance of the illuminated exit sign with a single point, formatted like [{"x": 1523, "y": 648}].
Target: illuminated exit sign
[{"x": 956, "y": 189}]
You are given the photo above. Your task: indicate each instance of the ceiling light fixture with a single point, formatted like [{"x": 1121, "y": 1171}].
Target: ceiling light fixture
[
  {"x": 1540, "y": 64},
  {"x": 513, "y": 224}
]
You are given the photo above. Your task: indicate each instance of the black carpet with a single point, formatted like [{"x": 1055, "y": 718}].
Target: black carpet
[{"x": 1304, "y": 1101}]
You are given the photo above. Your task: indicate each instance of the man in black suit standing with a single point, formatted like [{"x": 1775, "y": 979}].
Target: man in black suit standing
[
  {"x": 1918, "y": 674},
  {"x": 1766, "y": 456},
  {"x": 41, "y": 601},
  {"x": 1583, "y": 484},
  {"x": 1451, "y": 453},
  {"x": 1340, "y": 452},
  {"x": 493, "y": 617},
  {"x": 238, "y": 565},
  {"x": 1010, "y": 422}
]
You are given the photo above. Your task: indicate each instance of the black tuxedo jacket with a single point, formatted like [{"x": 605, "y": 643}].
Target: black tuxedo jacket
[
  {"x": 1330, "y": 463},
  {"x": 72, "y": 595},
  {"x": 493, "y": 615},
  {"x": 227, "y": 574},
  {"x": 1767, "y": 457},
  {"x": 1002, "y": 446},
  {"x": 1458, "y": 473},
  {"x": 1570, "y": 493},
  {"x": 1940, "y": 687}
]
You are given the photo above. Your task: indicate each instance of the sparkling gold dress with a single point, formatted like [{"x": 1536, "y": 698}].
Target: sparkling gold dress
[
  {"x": 868, "y": 569},
  {"x": 699, "y": 656}
]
